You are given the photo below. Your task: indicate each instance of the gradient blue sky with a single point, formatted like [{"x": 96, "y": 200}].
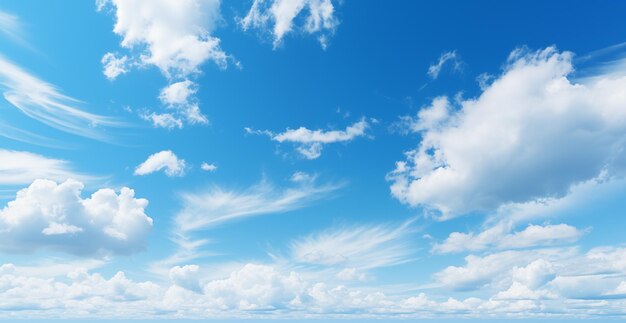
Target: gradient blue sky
[{"x": 312, "y": 159}]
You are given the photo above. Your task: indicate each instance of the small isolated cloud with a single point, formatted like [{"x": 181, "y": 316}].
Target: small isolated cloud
[
  {"x": 52, "y": 216},
  {"x": 163, "y": 160},
  {"x": 162, "y": 120},
  {"x": 532, "y": 134},
  {"x": 309, "y": 143},
  {"x": 445, "y": 58},
  {"x": 178, "y": 97},
  {"x": 208, "y": 167},
  {"x": 277, "y": 18},
  {"x": 114, "y": 66}
]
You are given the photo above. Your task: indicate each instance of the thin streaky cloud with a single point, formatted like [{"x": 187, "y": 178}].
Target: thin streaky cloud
[{"x": 43, "y": 102}]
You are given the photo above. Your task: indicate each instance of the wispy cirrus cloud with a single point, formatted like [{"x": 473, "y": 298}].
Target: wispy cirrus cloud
[
  {"x": 445, "y": 59},
  {"x": 22, "y": 167},
  {"x": 43, "y": 102},
  {"x": 216, "y": 206},
  {"x": 361, "y": 247}
]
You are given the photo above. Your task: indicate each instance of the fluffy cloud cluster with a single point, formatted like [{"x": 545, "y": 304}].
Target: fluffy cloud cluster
[
  {"x": 310, "y": 142},
  {"x": 533, "y": 286},
  {"x": 176, "y": 37},
  {"x": 544, "y": 276},
  {"x": 532, "y": 134},
  {"x": 163, "y": 160},
  {"x": 55, "y": 216},
  {"x": 278, "y": 16}
]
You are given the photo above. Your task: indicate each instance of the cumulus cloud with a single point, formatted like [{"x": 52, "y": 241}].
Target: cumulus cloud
[
  {"x": 277, "y": 17},
  {"x": 163, "y": 160},
  {"x": 43, "y": 102},
  {"x": 266, "y": 291},
  {"x": 208, "y": 167},
  {"x": 47, "y": 215},
  {"x": 178, "y": 97},
  {"x": 362, "y": 247},
  {"x": 163, "y": 120},
  {"x": 176, "y": 37},
  {"x": 187, "y": 276},
  {"x": 501, "y": 237},
  {"x": 452, "y": 57},
  {"x": 114, "y": 66},
  {"x": 532, "y": 134},
  {"x": 309, "y": 143},
  {"x": 494, "y": 269}
]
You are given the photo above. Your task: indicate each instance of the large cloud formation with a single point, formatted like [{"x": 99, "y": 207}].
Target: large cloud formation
[
  {"x": 176, "y": 37},
  {"x": 55, "y": 216},
  {"x": 532, "y": 134}
]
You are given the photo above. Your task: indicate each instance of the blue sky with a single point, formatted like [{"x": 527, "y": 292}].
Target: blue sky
[{"x": 312, "y": 159}]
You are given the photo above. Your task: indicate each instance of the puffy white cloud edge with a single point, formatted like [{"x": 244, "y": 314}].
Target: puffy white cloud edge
[{"x": 54, "y": 216}]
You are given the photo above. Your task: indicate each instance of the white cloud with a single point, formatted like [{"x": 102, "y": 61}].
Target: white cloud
[
  {"x": 10, "y": 25},
  {"x": 256, "y": 287},
  {"x": 178, "y": 97},
  {"x": 495, "y": 269},
  {"x": 267, "y": 292},
  {"x": 21, "y": 167},
  {"x": 163, "y": 160},
  {"x": 208, "y": 167},
  {"x": 310, "y": 142},
  {"x": 277, "y": 17},
  {"x": 532, "y": 134},
  {"x": 452, "y": 57},
  {"x": 178, "y": 93},
  {"x": 176, "y": 37},
  {"x": 54, "y": 216},
  {"x": 187, "y": 276},
  {"x": 430, "y": 117},
  {"x": 163, "y": 120},
  {"x": 42, "y": 102},
  {"x": 363, "y": 247},
  {"x": 500, "y": 237},
  {"x": 535, "y": 274},
  {"x": 216, "y": 206},
  {"x": 114, "y": 66}
]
